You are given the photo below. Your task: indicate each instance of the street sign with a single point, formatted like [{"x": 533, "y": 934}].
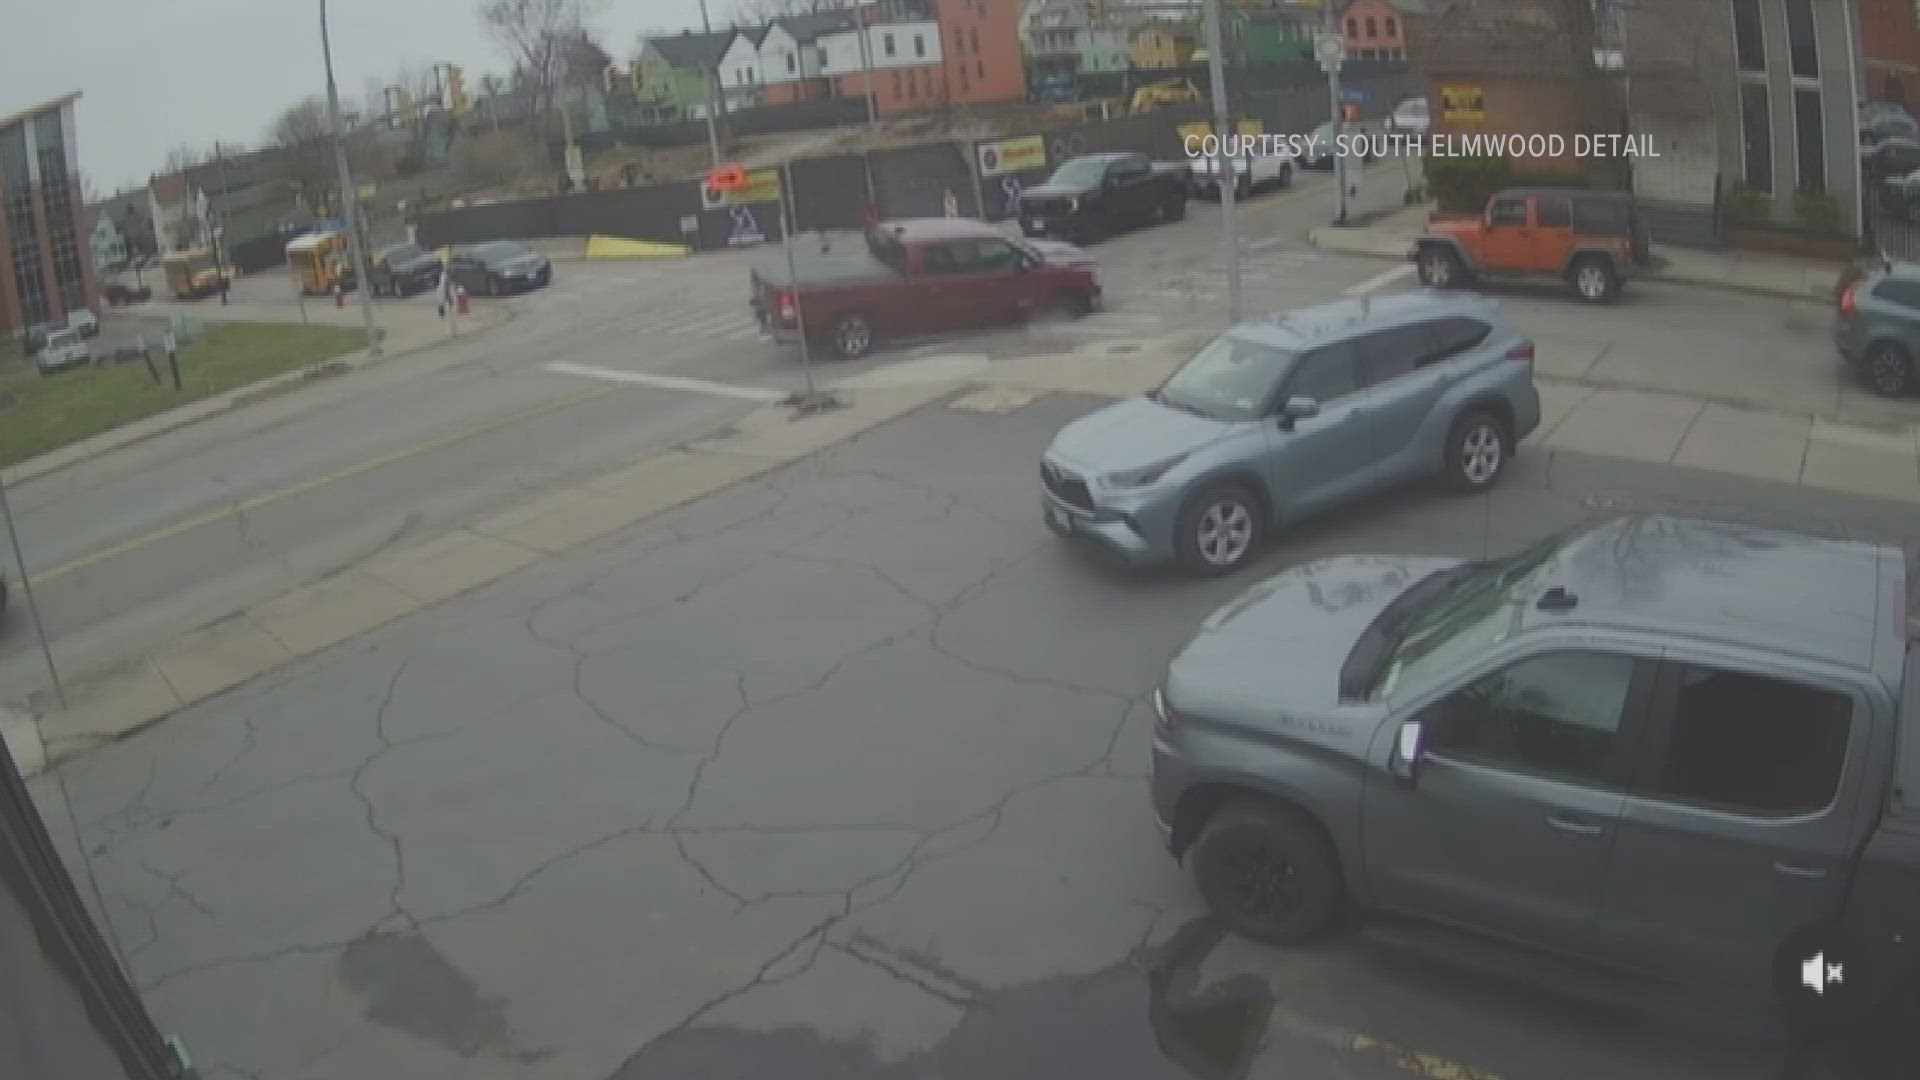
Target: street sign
[
  {"x": 1463, "y": 103},
  {"x": 759, "y": 186},
  {"x": 1352, "y": 96},
  {"x": 1329, "y": 49}
]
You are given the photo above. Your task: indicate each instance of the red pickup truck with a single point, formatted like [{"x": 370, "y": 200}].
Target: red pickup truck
[{"x": 915, "y": 276}]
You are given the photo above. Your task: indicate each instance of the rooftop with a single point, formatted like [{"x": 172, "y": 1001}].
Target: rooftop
[
  {"x": 1740, "y": 585},
  {"x": 1309, "y": 326},
  {"x": 34, "y": 110}
]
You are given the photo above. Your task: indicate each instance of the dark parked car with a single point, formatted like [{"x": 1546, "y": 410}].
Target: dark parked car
[
  {"x": 1894, "y": 156},
  {"x": 498, "y": 267},
  {"x": 1680, "y": 747},
  {"x": 1099, "y": 194},
  {"x": 1877, "y": 327},
  {"x": 118, "y": 294},
  {"x": 404, "y": 269}
]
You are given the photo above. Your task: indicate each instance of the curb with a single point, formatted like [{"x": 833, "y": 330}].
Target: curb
[
  {"x": 1320, "y": 239},
  {"x": 233, "y": 651},
  {"x": 194, "y": 412}
]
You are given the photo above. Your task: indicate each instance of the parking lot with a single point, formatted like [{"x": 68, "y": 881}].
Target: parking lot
[{"x": 835, "y": 773}]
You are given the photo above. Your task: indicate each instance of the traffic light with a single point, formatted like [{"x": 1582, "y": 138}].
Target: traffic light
[{"x": 457, "y": 102}]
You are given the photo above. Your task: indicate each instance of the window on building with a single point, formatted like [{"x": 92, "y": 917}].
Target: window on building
[
  {"x": 980, "y": 68},
  {"x": 821, "y": 57},
  {"x": 1809, "y": 132},
  {"x": 886, "y": 44},
  {"x": 1353, "y": 27},
  {"x": 1757, "y": 136},
  {"x": 896, "y": 83},
  {"x": 1749, "y": 41},
  {"x": 1373, "y": 27},
  {"x": 1802, "y": 51},
  {"x": 974, "y": 33},
  {"x": 919, "y": 45},
  {"x": 960, "y": 38},
  {"x": 1389, "y": 26},
  {"x": 792, "y": 64}
]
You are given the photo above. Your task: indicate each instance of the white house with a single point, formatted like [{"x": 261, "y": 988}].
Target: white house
[
  {"x": 890, "y": 45},
  {"x": 109, "y": 247},
  {"x": 740, "y": 70}
]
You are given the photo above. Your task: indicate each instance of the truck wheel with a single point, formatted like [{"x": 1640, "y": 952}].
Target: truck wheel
[
  {"x": 1477, "y": 452},
  {"x": 1285, "y": 177},
  {"x": 1267, "y": 873},
  {"x": 1076, "y": 303},
  {"x": 1176, "y": 208},
  {"x": 1889, "y": 369},
  {"x": 852, "y": 337},
  {"x": 1220, "y": 529},
  {"x": 1440, "y": 268},
  {"x": 1594, "y": 279}
]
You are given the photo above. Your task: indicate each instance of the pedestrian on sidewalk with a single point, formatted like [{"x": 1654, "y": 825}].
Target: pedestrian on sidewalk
[
  {"x": 223, "y": 288},
  {"x": 443, "y": 300}
]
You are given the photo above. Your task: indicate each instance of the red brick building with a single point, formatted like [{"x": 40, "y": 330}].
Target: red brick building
[
  {"x": 932, "y": 54},
  {"x": 1890, "y": 52},
  {"x": 46, "y": 264}
]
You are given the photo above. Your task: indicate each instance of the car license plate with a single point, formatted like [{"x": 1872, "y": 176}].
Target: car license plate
[{"x": 1037, "y": 225}]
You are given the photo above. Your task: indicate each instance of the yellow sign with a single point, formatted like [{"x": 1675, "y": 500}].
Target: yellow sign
[
  {"x": 1463, "y": 103},
  {"x": 762, "y": 186},
  {"x": 1012, "y": 155}
]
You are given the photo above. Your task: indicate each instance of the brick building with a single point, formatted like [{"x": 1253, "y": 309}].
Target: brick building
[
  {"x": 1890, "y": 52},
  {"x": 47, "y": 271}
]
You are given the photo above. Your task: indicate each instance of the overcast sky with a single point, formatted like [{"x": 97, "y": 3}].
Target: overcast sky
[{"x": 157, "y": 74}]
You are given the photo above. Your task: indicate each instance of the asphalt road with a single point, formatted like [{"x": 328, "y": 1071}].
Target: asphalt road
[
  {"x": 833, "y": 775},
  {"x": 132, "y": 549}
]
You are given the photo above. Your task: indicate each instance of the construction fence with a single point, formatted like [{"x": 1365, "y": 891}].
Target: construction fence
[{"x": 981, "y": 179}]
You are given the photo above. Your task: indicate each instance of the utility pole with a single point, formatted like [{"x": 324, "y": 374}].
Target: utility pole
[
  {"x": 1331, "y": 50},
  {"x": 220, "y": 236},
  {"x": 715, "y": 92},
  {"x": 349, "y": 198},
  {"x": 1225, "y": 178},
  {"x": 866, "y": 61}
]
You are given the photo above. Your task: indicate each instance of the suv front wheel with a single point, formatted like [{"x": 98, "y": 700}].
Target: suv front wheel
[{"x": 1220, "y": 529}]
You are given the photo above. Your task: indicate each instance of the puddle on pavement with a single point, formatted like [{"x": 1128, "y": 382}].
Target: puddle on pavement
[
  {"x": 1144, "y": 1019},
  {"x": 409, "y": 986}
]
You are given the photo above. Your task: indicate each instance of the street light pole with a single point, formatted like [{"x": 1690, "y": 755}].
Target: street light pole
[
  {"x": 866, "y": 60},
  {"x": 1332, "y": 52},
  {"x": 349, "y": 198},
  {"x": 1225, "y": 178},
  {"x": 715, "y": 91}
]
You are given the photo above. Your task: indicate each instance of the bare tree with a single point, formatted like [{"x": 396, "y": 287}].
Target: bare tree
[
  {"x": 537, "y": 36},
  {"x": 494, "y": 159},
  {"x": 182, "y": 158},
  {"x": 758, "y": 12}
]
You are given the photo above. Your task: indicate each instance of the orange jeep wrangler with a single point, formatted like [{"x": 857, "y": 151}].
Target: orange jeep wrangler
[{"x": 1590, "y": 238}]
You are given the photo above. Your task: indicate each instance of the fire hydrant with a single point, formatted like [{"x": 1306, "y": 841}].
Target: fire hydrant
[{"x": 460, "y": 299}]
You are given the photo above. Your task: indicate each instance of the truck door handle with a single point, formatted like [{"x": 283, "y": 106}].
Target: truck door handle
[
  {"x": 1800, "y": 871},
  {"x": 1578, "y": 828}
]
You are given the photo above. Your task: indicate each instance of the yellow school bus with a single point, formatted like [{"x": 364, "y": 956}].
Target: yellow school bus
[
  {"x": 192, "y": 274},
  {"x": 319, "y": 261}
]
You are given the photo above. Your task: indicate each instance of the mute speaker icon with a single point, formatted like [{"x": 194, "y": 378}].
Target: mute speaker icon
[{"x": 1816, "y": 973}]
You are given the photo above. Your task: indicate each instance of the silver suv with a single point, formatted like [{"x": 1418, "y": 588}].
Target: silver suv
[{"x": 1278, "y": 419}]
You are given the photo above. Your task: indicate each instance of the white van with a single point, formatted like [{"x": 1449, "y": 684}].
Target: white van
[{"x": 65, "y": 348}]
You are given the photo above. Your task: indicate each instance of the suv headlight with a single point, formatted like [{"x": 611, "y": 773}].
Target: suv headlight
[{"x": 1142, "y": 476}]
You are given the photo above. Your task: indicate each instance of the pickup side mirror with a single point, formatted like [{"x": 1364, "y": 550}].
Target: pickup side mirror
[
  {"x": 1407, "y": 748},
  {"x": 1297, "y": 409}
]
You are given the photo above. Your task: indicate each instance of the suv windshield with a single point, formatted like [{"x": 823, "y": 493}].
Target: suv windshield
[
  {"x": 1230, "y": 379},
  {"x": 1085, "y": 173},
  {"x": 1476, "y": 613}
]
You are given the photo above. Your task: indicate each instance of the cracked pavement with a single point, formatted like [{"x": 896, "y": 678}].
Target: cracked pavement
[{"x": 835, "y": 773}]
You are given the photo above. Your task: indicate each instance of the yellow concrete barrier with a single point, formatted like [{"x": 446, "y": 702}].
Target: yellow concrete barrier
[{"x": 619, "y": 247}]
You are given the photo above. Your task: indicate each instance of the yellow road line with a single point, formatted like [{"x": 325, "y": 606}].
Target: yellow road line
[{"x": 258, "y": 501}]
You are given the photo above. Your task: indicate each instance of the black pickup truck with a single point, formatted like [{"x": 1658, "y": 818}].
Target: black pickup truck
[{"x": 1094, "y": 195}]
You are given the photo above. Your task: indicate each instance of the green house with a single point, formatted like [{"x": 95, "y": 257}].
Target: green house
[
  {"x": 675, "y": 73},
  {"x": 1278, "y": 34}
]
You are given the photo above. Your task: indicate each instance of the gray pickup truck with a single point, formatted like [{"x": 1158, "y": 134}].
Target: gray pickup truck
[{"x": 1685, "y": 748}]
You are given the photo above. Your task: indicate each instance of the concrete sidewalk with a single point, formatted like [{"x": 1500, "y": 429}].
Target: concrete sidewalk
[
  {"x": 1391, "y": 237},
  {"x": 404, "y": 328}
]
